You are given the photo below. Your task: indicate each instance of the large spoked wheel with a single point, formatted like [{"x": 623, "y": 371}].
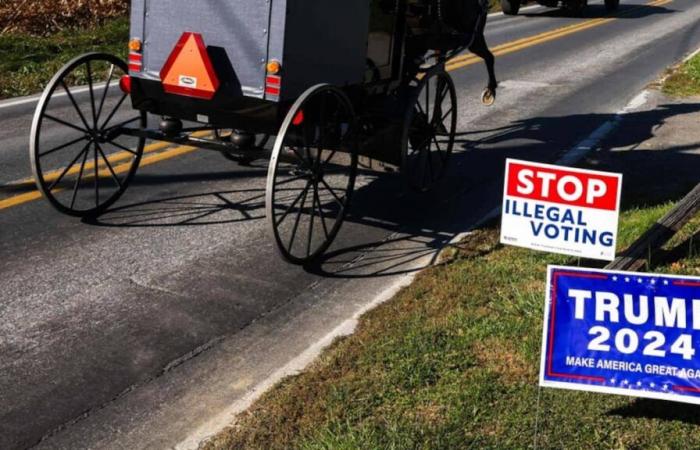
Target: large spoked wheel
[
  {"x": 429, "y": 130},
  {"x": 81, "y": 157},
  {"x": 312, "y": 174}
]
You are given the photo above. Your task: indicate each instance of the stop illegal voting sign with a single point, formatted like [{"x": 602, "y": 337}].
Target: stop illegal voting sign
[
  {"x": 561, "y": 209},
  {"x": 622, "y": 333}
]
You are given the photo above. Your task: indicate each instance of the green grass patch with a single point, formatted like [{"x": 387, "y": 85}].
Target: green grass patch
[
  {"x": 684, "y": 80},
  {"x": 452, "y": 362},
  {"x": 29, "y": 62}
]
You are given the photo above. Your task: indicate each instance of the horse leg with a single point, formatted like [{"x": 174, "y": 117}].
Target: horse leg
[{"x": 481, "y": 49}]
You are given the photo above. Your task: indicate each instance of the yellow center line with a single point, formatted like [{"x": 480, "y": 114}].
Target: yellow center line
[
  {"x": 453, "y": 64},
  {"x": 118, "y": 169},
  {"x": 113, "y": 158},
  {"x": 520, "y": 44}
]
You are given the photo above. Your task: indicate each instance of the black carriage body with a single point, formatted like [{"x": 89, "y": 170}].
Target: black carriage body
[{"x": 315, "y": 41}]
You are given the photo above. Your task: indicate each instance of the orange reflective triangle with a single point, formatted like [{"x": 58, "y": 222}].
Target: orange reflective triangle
[{"x": 188, "y": 70}]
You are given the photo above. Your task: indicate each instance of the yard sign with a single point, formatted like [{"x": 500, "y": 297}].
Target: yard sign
[
  {"x": 622, "y": 333},
  {"x": 561, "y": 210}
]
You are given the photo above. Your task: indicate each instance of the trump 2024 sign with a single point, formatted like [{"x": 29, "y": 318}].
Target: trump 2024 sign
[
  {"x": 561, "y": 210},
  {"x": 622, "y": 333}
]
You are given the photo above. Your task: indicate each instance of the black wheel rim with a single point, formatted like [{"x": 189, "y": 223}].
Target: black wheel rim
[
  {"x": 429, "y": 131},
  {"x": 312, "y": 174},
  {"x": 81, "y": 159}
]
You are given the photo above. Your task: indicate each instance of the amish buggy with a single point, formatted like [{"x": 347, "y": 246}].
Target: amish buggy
[
  {"x": 575, "y": 7},
  {"x": 330, "y": 80}
]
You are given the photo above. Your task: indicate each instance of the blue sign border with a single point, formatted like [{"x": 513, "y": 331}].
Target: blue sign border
[{"x": 597, "y": 380}]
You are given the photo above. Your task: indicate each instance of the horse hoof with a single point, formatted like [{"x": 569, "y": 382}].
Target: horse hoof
[{"x": 488, "y": 98}]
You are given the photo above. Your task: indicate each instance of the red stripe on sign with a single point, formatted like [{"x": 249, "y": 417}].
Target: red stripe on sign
[
  {"x": 566, "y": 187},
  {"x": 687, "y": 283},
  {"x": 274, "y": 81}
]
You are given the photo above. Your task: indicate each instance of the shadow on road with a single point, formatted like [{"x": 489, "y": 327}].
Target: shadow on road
[{"x": 390, "y": 229}]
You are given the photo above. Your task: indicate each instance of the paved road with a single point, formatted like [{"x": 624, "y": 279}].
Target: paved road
[{"x": 133, "y": 332}]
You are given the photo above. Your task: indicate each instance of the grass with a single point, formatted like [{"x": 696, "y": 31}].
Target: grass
[
  {"x": 458, "y": 367},
  {"x": 684, "y": 80},
  {"x": 29, "y": 62}
]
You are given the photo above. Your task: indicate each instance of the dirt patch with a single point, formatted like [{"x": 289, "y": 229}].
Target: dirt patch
[{"x": 43, "y": 17}]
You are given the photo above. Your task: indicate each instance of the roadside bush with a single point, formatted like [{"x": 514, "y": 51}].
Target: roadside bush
[{"x": 42, "y": 17}]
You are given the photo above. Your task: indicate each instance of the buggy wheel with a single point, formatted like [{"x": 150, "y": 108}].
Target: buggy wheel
[
  {"x": 510, "y": 7},
  {"x": 312, "y": 174},
  {"x": 81, "y": 158},
  {"x": 612, "y": 5},
  {"x": 429, "y": 130}
]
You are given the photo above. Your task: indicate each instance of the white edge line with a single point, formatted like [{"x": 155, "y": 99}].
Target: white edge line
[
  {"x": 35, "y": 98},
  {"x": 293, "y": 367}
]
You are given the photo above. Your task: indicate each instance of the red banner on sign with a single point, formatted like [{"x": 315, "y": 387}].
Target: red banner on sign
[{"x": 563, "y": 186}]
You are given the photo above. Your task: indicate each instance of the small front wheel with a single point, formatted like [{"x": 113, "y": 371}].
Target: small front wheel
[
  {"x": 312, "y": 174},
  {"x": 81, "y": 157},
  {"x": 510, "y": 7},
  {"x": 429, "y": 130}
]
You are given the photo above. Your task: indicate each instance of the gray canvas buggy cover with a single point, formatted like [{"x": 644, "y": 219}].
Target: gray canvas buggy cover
[{"x": 314, "y": 40}]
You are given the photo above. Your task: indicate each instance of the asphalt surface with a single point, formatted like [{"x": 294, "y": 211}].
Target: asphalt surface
[{"x": 133, "y": 330}]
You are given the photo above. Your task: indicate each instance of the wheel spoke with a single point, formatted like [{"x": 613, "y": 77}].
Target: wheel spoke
[
  {"x": 109, "y": 166},
  {"x": 97, "y": 179},
  {"x": 449, "y": 111},
  {"x": 427, "y": 100},
  {"x": 300, "y": 156},
  {"x": 61, "y": 147},
  {"x": 92, "y": 94},
  {"x": 122, "y": 124},
  {"x": 114, "y": 111},
  {"x": 75, "y": 105},
  {"x": 317, "y": 198},
  {"x": 67, "y": 168},
  {"x": 296, "y": 222},
  {"x": 293, "y": 204},
  {"x": 104, "y": 94},
  {"x": 78, "y": 181},
  {"x": 420, "y": 108},
  {"x": 311, "y": 224},
  {"x": 122, "y": 147},
  {"x": 325, "y": 163},
  {"x": 63, "y": 122},
  {"x": 291, "y": 180},
  {"x": 338, "y": 199}
]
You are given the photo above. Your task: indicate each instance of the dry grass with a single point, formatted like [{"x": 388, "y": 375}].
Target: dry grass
[{"x": 43, "y": 17}]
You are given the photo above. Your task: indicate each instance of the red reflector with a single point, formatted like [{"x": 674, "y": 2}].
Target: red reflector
[
  {"x": 298, "y": 119},
  {"x": 273, "y": 80},
  {"x": 189, "y": 70},
  {"x": 271, "y": 90},
  {"x": 125, "y": 84}
]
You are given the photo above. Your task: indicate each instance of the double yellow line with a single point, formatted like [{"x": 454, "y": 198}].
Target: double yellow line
[
  {"x": 454, "y": 64},
  {"x": 520, "y": 44}
]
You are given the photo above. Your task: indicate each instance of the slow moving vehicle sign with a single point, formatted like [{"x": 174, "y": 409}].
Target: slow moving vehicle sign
[
  {"x": 561, "y": 210},
  {"x": 623, "y": 333}
]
